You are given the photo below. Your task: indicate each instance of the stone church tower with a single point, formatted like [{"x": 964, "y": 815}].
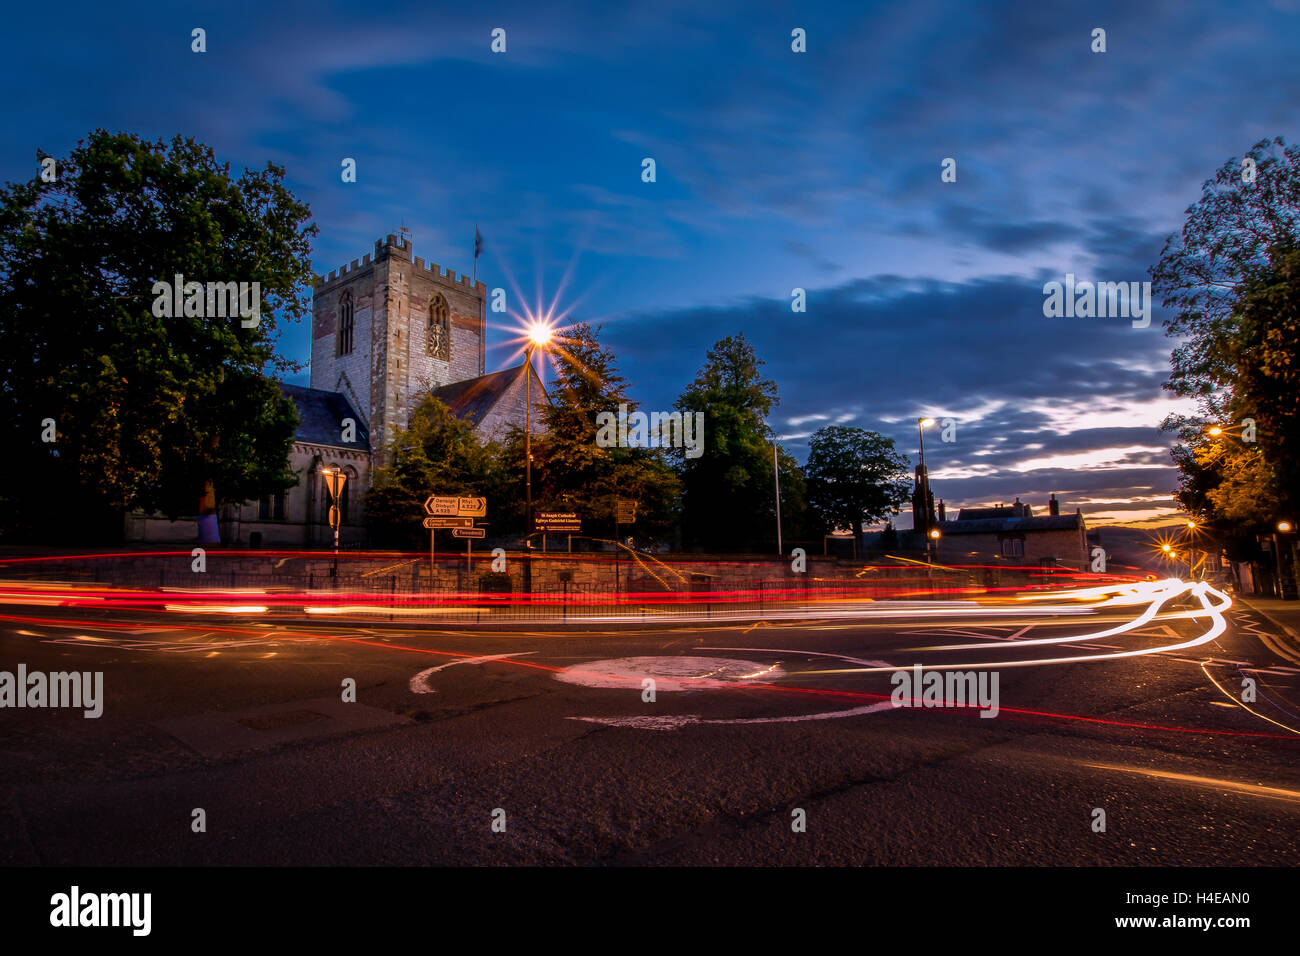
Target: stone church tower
[{"x": 388, "y": 330}]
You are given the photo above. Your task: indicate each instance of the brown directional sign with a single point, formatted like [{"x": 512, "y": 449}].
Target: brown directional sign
[
  {"x": 558, "y": 522},
  {"x": 445, "y": 506},
  {"x": 473, "y": 507},
  {"x": 449, "y": 522},
  {"x": 624, "y": 510},
  {"x": 468, "y": 533}
]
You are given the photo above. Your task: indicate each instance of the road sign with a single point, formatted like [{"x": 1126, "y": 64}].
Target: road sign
[
  {"x": 557, "y": 522},
  {"x": 624, "y": 511},
  {"x": 448, "y": 523},
  {"x": 473, "y": 507},
  {"x": 468, "y": 533},
  {"x": 452, "y": 506}
]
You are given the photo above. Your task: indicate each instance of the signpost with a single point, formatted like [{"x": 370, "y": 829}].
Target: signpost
[
  {"x": 335, "y": 480},
  {"x": 448, "y": 523},
  {"x": 453, "y": 506},
  {"x": 557, "y": 522},
  {"x": 457, "y": 513},
  {"x": 624, "y": 513}
]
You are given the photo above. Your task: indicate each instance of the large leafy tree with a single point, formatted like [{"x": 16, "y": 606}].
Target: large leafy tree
[
  {"x": 854, "y": 476},
  {"x": 1230, "y": 276},
  {"x": 571, "y": 471},
  {"x": 436, "y": 454},
  {"x": 176, "y": 414},
  {"x": 1265, "y": 354},
  {"x": 729, "y": 495},
  {"x": 1248, "y": 209}
]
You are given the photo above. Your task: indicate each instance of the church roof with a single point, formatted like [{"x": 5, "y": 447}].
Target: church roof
[
  {"x": 320, "y": 417},
  {"x": 993, "y": 525},
  {"x": 473, "y": 398}
]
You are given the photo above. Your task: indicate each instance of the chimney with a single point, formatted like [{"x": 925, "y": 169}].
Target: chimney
[
  {"x": 1053, "y": 506},
  {"x": 942, "y": 512}
]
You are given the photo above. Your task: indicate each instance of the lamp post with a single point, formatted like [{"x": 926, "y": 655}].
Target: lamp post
[
  {"x": 538, "y": 334},
  {"x": 335, "y": 479},
  {"x": 921, "y": 424},
  {"x": 1286, "y": 569},
  {"x": 932, "y": 545}
]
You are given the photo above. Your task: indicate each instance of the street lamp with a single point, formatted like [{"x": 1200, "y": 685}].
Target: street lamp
[
  {"x": 1284, "y": 526},
  {"x": 933, "y": 543},
  {"x": 1191, "y": 547},
  {"x": 539, "y": 334},
  {"x": 921, "y": 424}
]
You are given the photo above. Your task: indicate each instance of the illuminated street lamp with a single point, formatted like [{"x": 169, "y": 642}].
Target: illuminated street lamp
[
  {"x": 539, "y": 334},
  {"x": 1216, "y": 431},
  {"x": 1284, "y": 526},
  {"x": 921, "y": 424},
  {"x": 1191, "y": 547},
  {"x": 933, "y": 544},
  {"x": 335, "y": 479}
]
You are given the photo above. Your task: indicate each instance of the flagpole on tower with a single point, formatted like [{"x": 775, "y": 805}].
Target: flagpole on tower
[{"x": 482, "y": 329}]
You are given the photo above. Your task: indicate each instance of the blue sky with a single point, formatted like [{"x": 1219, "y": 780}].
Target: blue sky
[{"x": 776, "y": 170}]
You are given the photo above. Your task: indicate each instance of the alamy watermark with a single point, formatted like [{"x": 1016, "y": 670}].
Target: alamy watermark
[
  {"x": 75, "y": 908},
  {"x": 74, "y": 689},
  {"x": 213, "y": 300},
  {"x": 1103, "y": 300},
  {"x": 920, "y": 688},
  {"x": 656, "y": 430}
]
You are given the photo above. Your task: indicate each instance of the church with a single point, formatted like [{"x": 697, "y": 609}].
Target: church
[{"x": 386, "y": 330}]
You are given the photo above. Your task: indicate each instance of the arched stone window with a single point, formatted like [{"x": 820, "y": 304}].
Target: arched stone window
[
  {"x": 348, "y": 487},
  {"x": 438, "y": 341},
  {"x": 346, "y": 324}
]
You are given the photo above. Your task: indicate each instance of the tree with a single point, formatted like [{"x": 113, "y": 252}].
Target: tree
[
  {"x": 1231, "y": 275},
  {"x": 854, "y": 476},
  {"x": 437, "y": 453},
  {"x": 571, "y": 469},
  {"x": 165, "y": 414},
  {"x": 729, "y": 497},
  {"x": 1227, "y": 236},
  {"x": 1265, "y": 356}
]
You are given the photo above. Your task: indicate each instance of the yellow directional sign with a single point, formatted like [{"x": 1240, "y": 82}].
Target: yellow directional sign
[{"x": 451, "y": 506}]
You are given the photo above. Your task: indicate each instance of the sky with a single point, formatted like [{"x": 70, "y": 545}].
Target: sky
[{"x": 775, "y": 170}]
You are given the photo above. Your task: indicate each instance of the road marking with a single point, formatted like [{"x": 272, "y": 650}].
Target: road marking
[
  {"x": 420, "y": 682},
  {"x": 677, "y": 722},
  {"x": 1239, "y": 703},
  {"x": 778, "y": 650},
  {"x": 1249, "y": 789}
]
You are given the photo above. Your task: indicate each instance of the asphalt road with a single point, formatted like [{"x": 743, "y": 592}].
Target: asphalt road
[{"x": 559, "y": 747}]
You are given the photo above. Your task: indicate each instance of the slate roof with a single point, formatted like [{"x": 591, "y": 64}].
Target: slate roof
[
  {"x": 320, "y": 417},
  {"x": 473, "y": 398},
  {"x": 997, "y": 525},
  {"x": 1004, "y": 511}
]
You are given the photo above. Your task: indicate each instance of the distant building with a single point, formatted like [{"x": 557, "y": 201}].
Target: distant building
[
  {"x": 385, "y": 332},
  {"x": 1012, "y": 535}
]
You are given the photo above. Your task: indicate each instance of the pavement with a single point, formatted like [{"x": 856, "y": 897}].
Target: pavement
[{"x": 1284, "y": 614}]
